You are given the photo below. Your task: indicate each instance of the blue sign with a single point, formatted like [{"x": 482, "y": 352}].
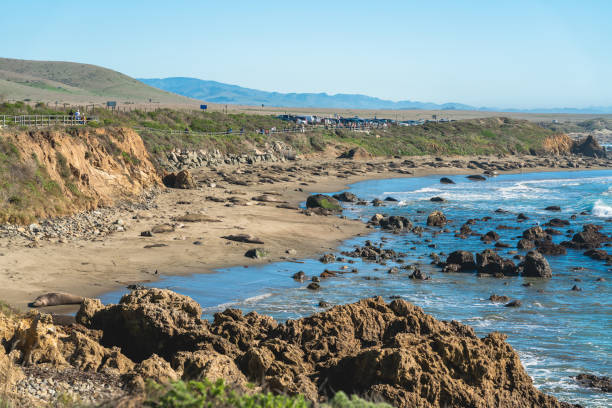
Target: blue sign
[
  {"x": 203, "y": 107},
  {"x": 111, "y": 104}
]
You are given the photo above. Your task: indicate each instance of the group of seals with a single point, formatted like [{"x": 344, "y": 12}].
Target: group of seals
[{"x": 56, "y": 299}]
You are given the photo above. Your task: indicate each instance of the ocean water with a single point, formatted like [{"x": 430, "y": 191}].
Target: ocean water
[{"x": 557, "y": 332}]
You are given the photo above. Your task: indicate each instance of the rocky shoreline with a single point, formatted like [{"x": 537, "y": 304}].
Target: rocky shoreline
[{"x": 391, "y": 351}]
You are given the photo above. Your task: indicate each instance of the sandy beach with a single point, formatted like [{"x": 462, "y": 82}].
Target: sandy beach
[{"x": 230, "y": 201}]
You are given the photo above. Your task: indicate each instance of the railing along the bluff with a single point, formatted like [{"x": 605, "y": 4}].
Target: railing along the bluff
[{"x": 44, "y": 120}]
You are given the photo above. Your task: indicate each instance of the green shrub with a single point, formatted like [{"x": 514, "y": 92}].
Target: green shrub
[{"x": 205, "y": 394}]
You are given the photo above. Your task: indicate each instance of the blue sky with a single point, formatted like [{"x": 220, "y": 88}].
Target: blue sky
[{"x": 517, "y": 54}]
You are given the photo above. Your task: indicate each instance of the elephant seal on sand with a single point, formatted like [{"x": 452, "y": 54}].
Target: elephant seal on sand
[{"x": 55, "y": 299}]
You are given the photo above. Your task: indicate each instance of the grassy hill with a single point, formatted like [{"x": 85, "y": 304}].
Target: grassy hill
[{"x": 69, "y": 82}]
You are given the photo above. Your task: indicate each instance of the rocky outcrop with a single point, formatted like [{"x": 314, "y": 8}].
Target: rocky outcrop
[
  {"x": 178, "y": 159},
  {"x": 390, "y": 351},
  {"x": 589, "y": 238},
  {"x": 588, "y": 147},
  {"x": 393, "y": 352}
]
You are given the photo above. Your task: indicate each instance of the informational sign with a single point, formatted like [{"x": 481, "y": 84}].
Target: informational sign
[
  {"x": 111, "y": 104},
  {"x": 203, "y": 107}
]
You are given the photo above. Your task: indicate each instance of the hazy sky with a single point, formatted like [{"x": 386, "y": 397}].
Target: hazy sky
[{"x": 519, "y": 54}]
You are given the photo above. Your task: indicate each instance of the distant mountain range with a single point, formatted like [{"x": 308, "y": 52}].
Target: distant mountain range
[{"x": 217, "y": 92}]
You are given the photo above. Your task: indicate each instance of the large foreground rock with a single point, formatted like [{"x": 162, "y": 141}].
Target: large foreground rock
[{"x": 391, "y": 351}]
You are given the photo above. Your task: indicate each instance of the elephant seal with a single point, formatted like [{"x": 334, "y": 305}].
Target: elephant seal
[{"x": 55, "y": 299}]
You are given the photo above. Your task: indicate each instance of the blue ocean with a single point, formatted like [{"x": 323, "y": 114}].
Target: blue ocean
[{"x": 558, "y": 332}]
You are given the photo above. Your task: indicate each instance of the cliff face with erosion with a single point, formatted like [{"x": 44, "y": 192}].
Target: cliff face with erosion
[{"x": 58, "y": 172}]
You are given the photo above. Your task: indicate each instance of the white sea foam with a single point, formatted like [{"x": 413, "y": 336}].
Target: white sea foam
[
  {"x": 257, "y": 298},
  {"x": 600, "y": 209}
]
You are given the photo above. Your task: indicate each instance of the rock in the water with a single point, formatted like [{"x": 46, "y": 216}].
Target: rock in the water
[
  {"x": 464, "y": 259},
  {"x": 490, "y": 263},
  {"x": 593, "y": 381},
  {"x": 437, "y": 199},
  {"x": 534, "y": 233},
  {"x": 490, "y": 236},
  {"x": 323, "y": 201},
  {"x": 346, "y": 197},
  {"x": 589, "y": 238},
  {"x": 553, "y": 208},
  {"x": 535, "y": 265},
  {"x": 476, "y": 177},
  {"x": 418, "y": 275},
  {"x": 436, "y": 219},
  {"x": 395, "y": 223},
  {"x": 499, "y": 298},
  {"x": 514, "y": 303},
  {"x": 446, "y": 180}
]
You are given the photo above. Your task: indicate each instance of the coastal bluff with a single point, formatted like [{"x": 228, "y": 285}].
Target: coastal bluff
[{"x": 389, "y": 351}]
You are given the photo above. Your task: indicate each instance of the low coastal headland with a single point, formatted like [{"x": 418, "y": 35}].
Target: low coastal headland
[{"x": 97, "y": 208}]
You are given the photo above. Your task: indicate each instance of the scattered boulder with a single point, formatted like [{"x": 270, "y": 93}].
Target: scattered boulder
[
  {"x": 395, "y": 223},
  {"x": 589, "y": 238},
  {"x": 257, "y": 253},
  {"x": 446, "y": 180},
  {"x": 547, "y": 247},
  {"x": 346, "y": 197},
  {"x": 534, "y": 233},
  {"x": 525, "y": 244},
  {"x": 557, "y": 223},
  {"x": 553, "y": 208},
  {"x": 328, "y": 258},
  {"x": 514, "y": 303},
  {"x": 489, "y": 262},
  {"x": 313, "y": 286},
  {"x": 437, "y": 199},
  {"x": 417, "y": 274},
  {"x": 299, "y": 276},
  {"x": 436, "y": 219},
  {"x": 323, "y": 201},
  {"x": 599, "y": 255},
  {"x": 490, "y": 236},
  {"x": 499, "y": 298},
  {"x": 536, "y": 266},
  {"x": 476, "y": 177},
  {"x": 464, "y": 259},
  {"x": 182, "y": 179},
  {"x": 592, "y": 381}
]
